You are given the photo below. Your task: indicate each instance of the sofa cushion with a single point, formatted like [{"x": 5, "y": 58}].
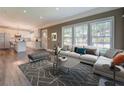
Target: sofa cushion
[
  {"x": 102, "y": 67},
  {"x": 110, "y": 53},
  {"x": 103, "y": 60},
  {"x": 69, "y": 53},
  {"x": 73, "y": 54},
  {"x": 64, "y": 53},
  {"x": 88, "y": 57},
  {"x": 67, "y": 48}
]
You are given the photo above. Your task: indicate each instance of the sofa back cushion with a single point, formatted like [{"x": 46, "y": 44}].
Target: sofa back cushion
[{"x": 110, "y": 53}]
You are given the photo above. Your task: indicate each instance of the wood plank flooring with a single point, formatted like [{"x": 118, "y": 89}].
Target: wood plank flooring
[{"x": 10, "y": 74}]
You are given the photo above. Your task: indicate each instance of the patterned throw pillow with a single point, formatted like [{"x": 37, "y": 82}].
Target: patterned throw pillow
[
  {"x": 110, "y": 53},
  {"x": 90, "y": 50}
]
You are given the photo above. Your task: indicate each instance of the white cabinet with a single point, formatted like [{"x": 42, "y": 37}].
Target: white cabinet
[
  {"x": 44, "y": 39},
  {"x": 20, "y": 46}
]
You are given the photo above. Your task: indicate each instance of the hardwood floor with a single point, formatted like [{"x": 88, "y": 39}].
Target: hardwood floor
[{"x": 10, "y": 74}]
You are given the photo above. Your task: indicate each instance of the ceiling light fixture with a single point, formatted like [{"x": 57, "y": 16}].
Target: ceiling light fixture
[
  {"x": 41, "y": 17},
  {"x": 25, "y": 11},
  {"x": 57, "y": 8}
]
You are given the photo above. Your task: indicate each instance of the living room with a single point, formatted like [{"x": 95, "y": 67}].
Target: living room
[
  {"x": 62, "y": 46},
  {"x": 99, "y": 34}
]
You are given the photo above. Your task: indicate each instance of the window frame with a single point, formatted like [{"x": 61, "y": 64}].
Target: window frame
[
  {"x": 89, "y": 39},
  {"x": 111, "y": 32},
  {"x": 63, "y": 33},
  {"x": 78, "y": 24}
]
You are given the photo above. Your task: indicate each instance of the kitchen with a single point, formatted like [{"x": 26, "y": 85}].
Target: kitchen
[{"x": 18, "y": 39}]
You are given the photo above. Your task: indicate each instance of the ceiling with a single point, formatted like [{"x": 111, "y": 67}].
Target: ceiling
[{"x": 38, "y": 17}]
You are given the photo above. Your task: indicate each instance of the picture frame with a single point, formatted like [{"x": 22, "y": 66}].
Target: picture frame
[{"x": 54, "y": 36}]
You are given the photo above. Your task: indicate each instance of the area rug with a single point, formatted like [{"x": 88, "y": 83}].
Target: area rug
[{"x": 41, "y": 74}]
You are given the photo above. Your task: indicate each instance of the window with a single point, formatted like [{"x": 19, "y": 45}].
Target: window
[
  {"x": 81, "y": 34},
  {"x": 101, "y": 34},
  {"x": 67, "y": 35},
  {"x": 98, "y": 33}
]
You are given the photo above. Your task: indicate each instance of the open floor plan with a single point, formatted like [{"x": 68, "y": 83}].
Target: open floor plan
[{"x": 61, "y": 46}]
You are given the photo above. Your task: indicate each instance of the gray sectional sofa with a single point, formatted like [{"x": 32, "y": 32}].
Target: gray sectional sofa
[{"x": 100, "y": 60}]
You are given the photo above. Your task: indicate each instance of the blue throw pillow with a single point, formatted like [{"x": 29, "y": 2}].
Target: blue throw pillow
[
  {"x": 75, "y": 49},
  {"x": 81, "y": 51}
]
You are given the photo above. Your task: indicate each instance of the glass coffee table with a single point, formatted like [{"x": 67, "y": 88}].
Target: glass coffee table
[{"x": 58, "y": 63}]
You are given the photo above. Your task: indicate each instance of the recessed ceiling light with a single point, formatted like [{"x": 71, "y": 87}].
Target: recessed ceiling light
[
  {"x": 122, "y": 15},
  {"x": 25, "y": 11},
  {"x": 57, "y": 8},
  {"x": 41, "y": 17}
]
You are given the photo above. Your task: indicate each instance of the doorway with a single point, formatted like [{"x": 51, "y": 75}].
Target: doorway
[{"x": 44, "y": 39}]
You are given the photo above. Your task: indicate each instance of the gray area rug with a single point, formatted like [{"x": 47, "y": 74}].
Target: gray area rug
[{"x": 41, "y": 74}]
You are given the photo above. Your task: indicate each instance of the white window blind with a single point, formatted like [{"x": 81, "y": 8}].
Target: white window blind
[
  {"x": 101, "y": 34},
  {"x": 98, "y": 33},
  {"x": 80, "y": 34},
  {"x": 67, "y": 35}
]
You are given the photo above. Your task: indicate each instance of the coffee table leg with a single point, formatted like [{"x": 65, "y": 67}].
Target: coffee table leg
[
  {"x": 68, "y": 70},
  {"x": 114, "y": 77}
]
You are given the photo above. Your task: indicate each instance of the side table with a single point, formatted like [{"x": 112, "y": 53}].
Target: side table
[{"x": 114, "y": 69}]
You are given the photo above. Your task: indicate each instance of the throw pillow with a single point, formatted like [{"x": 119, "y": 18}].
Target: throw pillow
[
  {"x": 112, "y": 52},
  {"x": 90, "y": 50},
  {"x": 81, "y": 51},
  {"x": 75, "y": 49},
  {"x": 102, "y": 51},
  {"x": 118, "y": 59}
]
